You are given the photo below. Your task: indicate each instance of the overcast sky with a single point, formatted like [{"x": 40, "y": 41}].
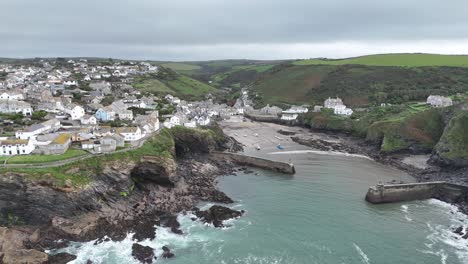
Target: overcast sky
[{"x": 222, "y": 29}]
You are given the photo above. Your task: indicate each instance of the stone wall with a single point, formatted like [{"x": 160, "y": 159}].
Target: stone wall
[
  {"x": 244, "y": 160},
  {"x": 416, "y": 191}
]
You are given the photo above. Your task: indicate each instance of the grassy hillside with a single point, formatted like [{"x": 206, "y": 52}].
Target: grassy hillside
[
  {"x": 452, "y": 148},
  {"x": 358, "y": 85},
  {"x": 223, "y": 73},
  {"x": 169, "y": 81},
  {"x": 181, "y": 67},
  {"x": 402, "y": 60}
]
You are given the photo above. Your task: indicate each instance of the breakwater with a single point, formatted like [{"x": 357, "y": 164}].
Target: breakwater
[
  {"x": 271, "y": 119},
  {"x": 416, "y": 191},
  {"x": 244, "y": 160}
]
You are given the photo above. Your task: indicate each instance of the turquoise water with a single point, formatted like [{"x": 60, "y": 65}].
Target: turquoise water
[{"x": 316, "y": 216}]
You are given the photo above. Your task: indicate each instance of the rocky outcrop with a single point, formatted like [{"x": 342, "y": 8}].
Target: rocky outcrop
[
  {"x": 61, "y": 258},
  {"x": 167, "y": 253},
  {"x": 217, "y": 214},
  {"x": 160, "y": 170},
  {"x": 13, "y": 248},
  {"x": 125, "y": 195},
  {"x": 452, "y": 148},
  {"x": 144, "y": 254}
]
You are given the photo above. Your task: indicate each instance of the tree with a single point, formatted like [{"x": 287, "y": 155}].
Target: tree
[{"x": 39, "y": 115}]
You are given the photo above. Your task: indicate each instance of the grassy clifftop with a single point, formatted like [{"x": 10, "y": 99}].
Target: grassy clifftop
[
  {"x": 399, "y": 60},
  {"x": 162, "y": 145}
]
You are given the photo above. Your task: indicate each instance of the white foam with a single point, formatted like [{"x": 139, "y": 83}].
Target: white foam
[
  {"x": 319, "y": 152},
  {"x": 441, "y": 253},
  {"x": 444, "y": 234},
  {"x": 364, "y": 257},
  {"x": 251, "y": 259},
  {"x": 404, "y": 209}
]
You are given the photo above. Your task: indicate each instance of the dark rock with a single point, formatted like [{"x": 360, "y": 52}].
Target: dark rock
[
  {"x": 159, "y": 170},
  {"x": 171, "y": 222},
  {"x": 61, "y": 258},
  {"x": 102, "y": 239},
  {"x": 145, "y": 229},
  {"x": 220, "y": 197},
  {"x": 144, "y": 254},
  {"x": 458, "y": 230},
  {"x": 465, "y": 236},
  {"x": 286, "y": 133},
  {"x": 89, "y": 261},
  {"x": 167, "y": 252},
  {"x": 217, "y": 214}
]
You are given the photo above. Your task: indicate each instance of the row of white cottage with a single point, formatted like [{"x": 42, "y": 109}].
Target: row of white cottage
[{"x": 332, "y": 103}]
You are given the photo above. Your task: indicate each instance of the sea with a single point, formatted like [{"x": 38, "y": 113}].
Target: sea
[{"x": 318, "y": 215}]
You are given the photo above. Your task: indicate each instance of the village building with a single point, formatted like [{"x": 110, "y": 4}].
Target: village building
[
  {"x": 15, "y": 107},
  {"x": 88, "y": 120},
  {"x": 342, "y": 110},
  {"x": 54, "y": 144},
  {"x": 130, "y": 133},
  {"x": 11, "y": 147},
  {"x": 338, "y": 107},
  {"x": 149, "y": 122},
  {"x": 289, "y": 115},
  {"x": 270, "y": 110},
  {"x": 439, "y": 101},
  {"x": 105, "y": 114},
  {"x": 51, "y": 125},
  {"x": 332, "y": 102},
  {"x": 11, "y": 95},
  {"x": 125, "y": 115},
  {"x": 75, "y": 111}
]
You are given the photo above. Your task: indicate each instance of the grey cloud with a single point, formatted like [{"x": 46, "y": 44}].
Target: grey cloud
[{"x": 142, "y": 27}]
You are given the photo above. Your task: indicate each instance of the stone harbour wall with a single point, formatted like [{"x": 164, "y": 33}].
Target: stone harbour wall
[{"x": 244, "y": 160}]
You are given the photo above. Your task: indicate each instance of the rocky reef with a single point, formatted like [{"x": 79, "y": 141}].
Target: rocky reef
[{"x": 126, "y": 195}]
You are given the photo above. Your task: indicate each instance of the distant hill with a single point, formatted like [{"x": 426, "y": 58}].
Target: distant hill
[
  {"x": 358, "y": 85},
  {"x": 168, "y": 81},
  {"x": 402, "y": 60}
]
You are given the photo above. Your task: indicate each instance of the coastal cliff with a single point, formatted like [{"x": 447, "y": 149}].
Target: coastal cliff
[{"x": 115, "y": 194}]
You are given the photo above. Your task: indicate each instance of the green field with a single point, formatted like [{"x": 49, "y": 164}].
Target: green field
[
  {"x": 153, "y": 86},
  {"x": 402, "y": 60},
  {"x": 179, "y": 66},
  {"x": 36, "y": 158}
]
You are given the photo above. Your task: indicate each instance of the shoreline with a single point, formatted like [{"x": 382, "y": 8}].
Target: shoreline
[{"x": 341, "y": 144}]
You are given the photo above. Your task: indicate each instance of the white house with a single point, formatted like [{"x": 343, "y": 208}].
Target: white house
[
  {"x": 10, "y": 147},
  {"x": 130, "y": 133},
  {"x": 76, "y": 112},
  {"x": 297, "y": 110},
  {"x": 439, "y": 101},
  {"x": 203, "y": 120},
  {"x": 125, "y": 115},
  {"x": 332, "y": 102},
  {"x": 289, "y": 115},
  {"x": 149, "y": 122},
  {"x": 70, "y": 83},
  {"x": 172, "y": 122},
  {"x": 14, "y": 107},
  {"x": 88, "y": 120},
  {"x": 10, "y": 95},
  {"x": 36, "y": 129},
  {"x": 342, "y": 110}
]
